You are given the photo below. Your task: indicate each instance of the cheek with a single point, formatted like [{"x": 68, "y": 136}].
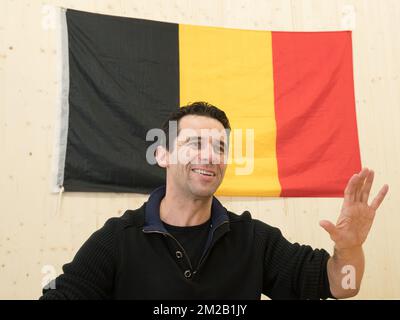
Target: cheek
[
  {"x": 176, "y": 169},
  {"x": 185, "y": 156},
  {"x": 223, "y": 158},
  {"x": 222, "y": 167},
  {"x": 192, "y": 157}
]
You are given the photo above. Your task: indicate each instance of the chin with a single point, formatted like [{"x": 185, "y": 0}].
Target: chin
[{"x": 203, "y": 192}]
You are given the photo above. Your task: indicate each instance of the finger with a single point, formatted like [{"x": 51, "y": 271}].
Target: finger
[
  {"x": 362, "y": 176},
  {"x": 380, "y": 196},
  {"x": 350, "y": 188},
  {"x": 349, "y": 192},
  {"x": 367, "y": 187},
  {"x": 329, "y": 227}
]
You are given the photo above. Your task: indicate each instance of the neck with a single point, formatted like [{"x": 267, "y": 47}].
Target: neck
[{"x": 183, "y": 211}]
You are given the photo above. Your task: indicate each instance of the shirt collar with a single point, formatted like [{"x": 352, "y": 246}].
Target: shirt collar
[{"x": 153, "y": 223}]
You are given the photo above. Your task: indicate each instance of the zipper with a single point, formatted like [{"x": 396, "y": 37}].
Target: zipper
[
  {"x": 172, "y": 237},
  {"x": 205, "y": 255}
]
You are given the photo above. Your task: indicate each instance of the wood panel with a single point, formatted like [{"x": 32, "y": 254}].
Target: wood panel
[{"x": 33, "y": 234}]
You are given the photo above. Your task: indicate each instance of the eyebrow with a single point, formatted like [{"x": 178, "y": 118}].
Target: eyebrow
[
  {"x": 222, "y": 143},
  {"x": 192, "y": 138}
]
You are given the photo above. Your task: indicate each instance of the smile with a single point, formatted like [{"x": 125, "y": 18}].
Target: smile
[{"x": 204, "y": 172}]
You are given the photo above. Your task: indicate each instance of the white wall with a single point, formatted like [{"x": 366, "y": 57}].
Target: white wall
[{"x": 33, "y": 235}]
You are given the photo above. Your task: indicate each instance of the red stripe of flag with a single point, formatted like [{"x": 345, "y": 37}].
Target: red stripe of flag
[{"x": 317, "y": 141}]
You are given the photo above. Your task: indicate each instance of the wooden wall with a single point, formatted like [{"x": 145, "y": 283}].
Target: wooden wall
[{"x": 34, "y": 235}]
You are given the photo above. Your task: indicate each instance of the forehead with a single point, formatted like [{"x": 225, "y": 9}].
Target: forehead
[{"x": 200, "y": 126}]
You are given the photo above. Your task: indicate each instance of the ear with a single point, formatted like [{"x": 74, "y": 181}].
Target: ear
[{"x": 162, "y": 156}]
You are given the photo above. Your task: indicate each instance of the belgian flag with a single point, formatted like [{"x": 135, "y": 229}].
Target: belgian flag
[{"x": 124, "y": 76}]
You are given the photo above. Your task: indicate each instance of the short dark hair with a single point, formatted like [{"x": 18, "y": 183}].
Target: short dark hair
[{"x": 198, "y": 108}]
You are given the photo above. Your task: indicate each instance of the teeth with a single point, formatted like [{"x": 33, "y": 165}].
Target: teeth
[{"x": 204, "y": 172}]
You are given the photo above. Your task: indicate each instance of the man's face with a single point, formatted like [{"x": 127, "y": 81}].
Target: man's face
[{"x": 197, "y": 159}]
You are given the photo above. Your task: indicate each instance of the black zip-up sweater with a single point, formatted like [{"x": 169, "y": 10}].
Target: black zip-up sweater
[{"x": 134, "y": 257}]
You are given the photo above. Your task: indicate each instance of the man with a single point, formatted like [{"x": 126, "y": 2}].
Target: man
[{"x": 183, "y": 244}]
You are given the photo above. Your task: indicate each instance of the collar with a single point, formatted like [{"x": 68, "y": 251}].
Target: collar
[{"x": 153, "y": 223}]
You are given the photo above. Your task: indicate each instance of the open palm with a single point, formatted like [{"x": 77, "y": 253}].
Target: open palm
[{"x": 356, "y": 216}]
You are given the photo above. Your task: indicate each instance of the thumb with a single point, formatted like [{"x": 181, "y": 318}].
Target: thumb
[{"x": 328, "y": 226}]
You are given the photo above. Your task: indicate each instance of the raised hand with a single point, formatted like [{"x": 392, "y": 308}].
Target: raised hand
[{"x": 356, "y": 216}]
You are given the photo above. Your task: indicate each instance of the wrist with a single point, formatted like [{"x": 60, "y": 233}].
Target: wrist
[{"x": 347, "y": 253}]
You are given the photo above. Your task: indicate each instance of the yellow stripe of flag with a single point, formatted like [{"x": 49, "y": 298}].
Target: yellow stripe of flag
[{"x": 227, "y": 67}]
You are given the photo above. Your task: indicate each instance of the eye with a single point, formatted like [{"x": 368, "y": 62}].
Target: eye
[
  {"x": 217, "y": 149},
  {"x": 195, "y": 144}
]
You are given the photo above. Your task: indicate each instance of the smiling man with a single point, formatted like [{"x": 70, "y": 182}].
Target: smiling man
[{"x": 183, "y": 244}]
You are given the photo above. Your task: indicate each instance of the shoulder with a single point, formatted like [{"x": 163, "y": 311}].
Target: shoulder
[
  {"x": 130, "y": 219},
  {"x": 258, "y": 227}
]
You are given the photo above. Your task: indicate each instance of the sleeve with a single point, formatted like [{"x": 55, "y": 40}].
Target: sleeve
[
  {"x": 293, "y": 271},
  {"x": 90, "y": 275}
]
